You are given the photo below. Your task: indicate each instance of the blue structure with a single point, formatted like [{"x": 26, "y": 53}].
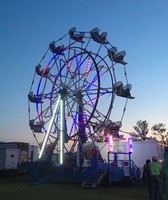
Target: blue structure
[{"x": 122, "y": 170}]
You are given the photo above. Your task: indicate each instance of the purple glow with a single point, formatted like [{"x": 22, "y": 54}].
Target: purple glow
[
  {"x": 110, "y": 143},
  {"x": 87, "y": 69},
  {"x": 130, "y": 150},
  {"x": 74, "y": 124}
]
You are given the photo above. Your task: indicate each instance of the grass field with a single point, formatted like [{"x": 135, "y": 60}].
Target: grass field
[{"x": 20, "y": 188}]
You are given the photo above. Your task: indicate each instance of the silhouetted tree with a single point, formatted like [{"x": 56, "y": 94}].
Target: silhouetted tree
[
  {"x": 160, "y": 130},
  {"x": 142, "y": 129}
]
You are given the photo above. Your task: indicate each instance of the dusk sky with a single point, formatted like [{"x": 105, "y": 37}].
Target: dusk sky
[{"x": 138, "y": 27}]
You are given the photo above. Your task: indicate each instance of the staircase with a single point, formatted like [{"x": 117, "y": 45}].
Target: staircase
[{"x": 94, "y": 174}]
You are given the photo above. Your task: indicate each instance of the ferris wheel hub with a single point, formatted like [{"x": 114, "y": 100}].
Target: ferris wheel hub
[{"x": 63, "y": 91}]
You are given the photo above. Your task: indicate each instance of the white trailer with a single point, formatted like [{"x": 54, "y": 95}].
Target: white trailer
[
  {"x": 117, "y": 146},
  {"x": 23, "y": 147},
  {"x": 141, "y": 150},
  {"x": 9, "y": 158}
]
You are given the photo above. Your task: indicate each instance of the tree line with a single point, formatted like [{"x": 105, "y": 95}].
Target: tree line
[{"x": 158, "y": 131}]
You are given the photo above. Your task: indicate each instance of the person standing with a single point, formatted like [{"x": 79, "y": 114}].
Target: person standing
[
  {"x": 146, "y": 172},
  {"x": 155, "y": 179},
  {"x": 146, "y": 175}
]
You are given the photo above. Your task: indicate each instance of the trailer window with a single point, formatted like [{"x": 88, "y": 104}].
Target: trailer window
[{"x": 12, "y": 156}]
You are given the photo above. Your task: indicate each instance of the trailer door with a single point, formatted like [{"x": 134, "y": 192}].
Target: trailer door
[{"x": 12, "y": 158}]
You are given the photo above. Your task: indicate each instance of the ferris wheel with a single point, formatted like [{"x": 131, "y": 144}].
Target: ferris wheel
[{"x": 73, "y": 90}]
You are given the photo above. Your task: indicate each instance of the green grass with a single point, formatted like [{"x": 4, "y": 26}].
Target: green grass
[{"x": 20, "y": 188}]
